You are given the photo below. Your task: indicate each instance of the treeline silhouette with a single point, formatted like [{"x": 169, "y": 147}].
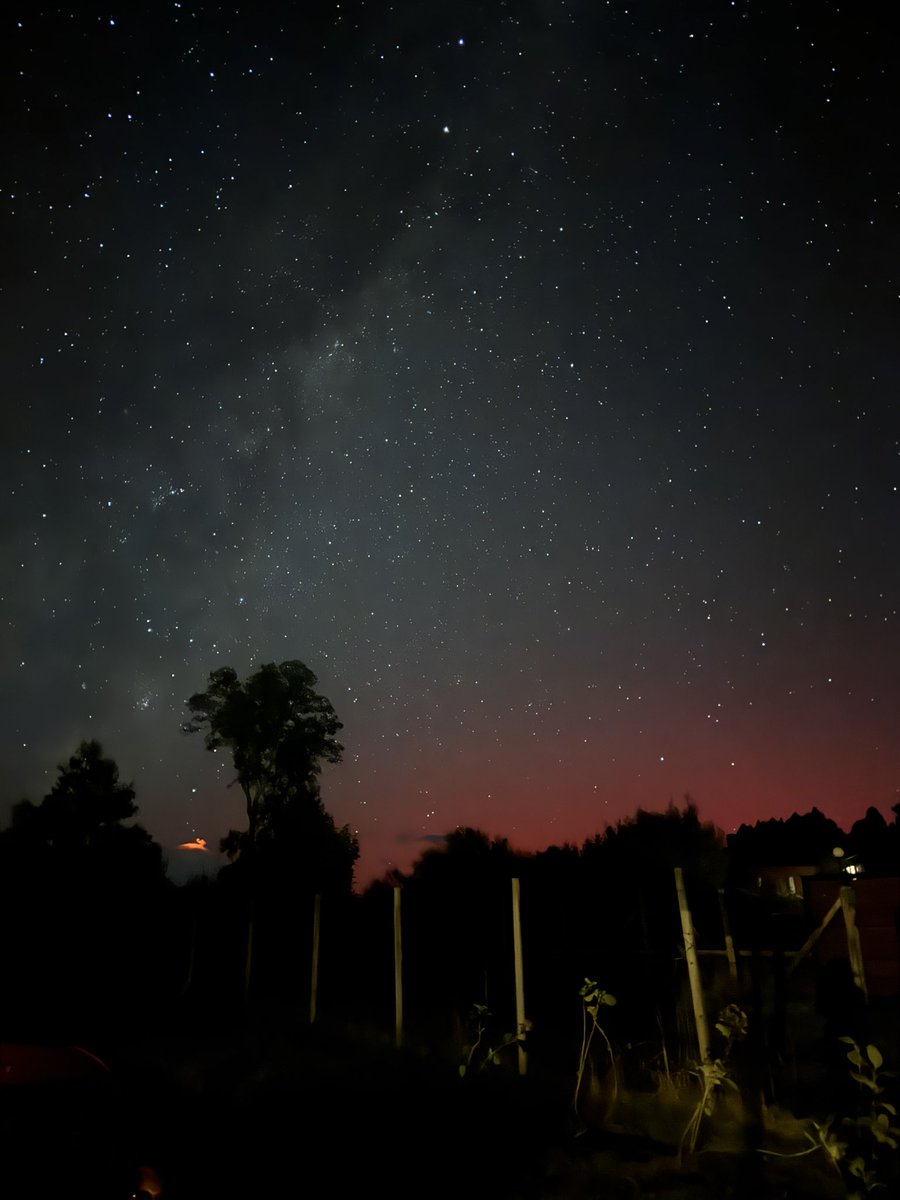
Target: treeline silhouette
[{"x": 99, "y": 943}]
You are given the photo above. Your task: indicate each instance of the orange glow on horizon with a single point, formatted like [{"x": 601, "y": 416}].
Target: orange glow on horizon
[{"x": 197, "y": 844}]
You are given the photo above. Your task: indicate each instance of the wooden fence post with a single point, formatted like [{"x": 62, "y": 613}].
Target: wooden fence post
[
  {"x": 520, "y": 980},
  {"x": 248, "y": 957},
  {"x": 800, "y": 954},
  {"x": 854, "y": 946},
  {"x": 693, "y": 966},
  {"x": 188, "y": 983},
  {"x": 314, "y": 971},
  {"x": 398, "y": 972},
  {"x": 729, "y": 940}
]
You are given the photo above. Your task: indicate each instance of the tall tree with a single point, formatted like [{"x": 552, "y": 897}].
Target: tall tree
[{"x": 279, "y": 731}]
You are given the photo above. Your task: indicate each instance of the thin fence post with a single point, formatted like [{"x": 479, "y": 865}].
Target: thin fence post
[
  {"x": 854, "y": 946},
  {"x": 314, "y": 972},
  {"x": 520, "y": 979},
  {"x": 188, "y": 983},
  {"x": 693, "y": 966},
  {"x": 398, "y": 972},
  {"x": 248, "y": 957},
  {"x": 729, "y": 940},
  {"x": 800, "y": 954}
]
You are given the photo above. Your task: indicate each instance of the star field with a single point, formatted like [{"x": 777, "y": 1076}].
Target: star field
[{"x": 527, "y": 370}]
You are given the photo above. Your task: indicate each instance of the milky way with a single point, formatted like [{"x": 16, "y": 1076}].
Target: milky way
[{"x": 528, "y": 370}]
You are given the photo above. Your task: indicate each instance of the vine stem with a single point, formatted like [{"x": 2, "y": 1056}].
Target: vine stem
[{"x": 586, "y": 1039}]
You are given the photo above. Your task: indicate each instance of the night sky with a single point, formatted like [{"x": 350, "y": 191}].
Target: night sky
[{"x": 529, "y": 370}]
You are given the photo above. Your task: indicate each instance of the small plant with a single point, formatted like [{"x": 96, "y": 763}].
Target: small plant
[
  {"x": 593, "y": 998},
  {"x": 479, "y": 1053},
  {"x": 873, "y": 1129},
  {"x": 855, "y": 1146},
  {"x": 731, "y": 1023}
]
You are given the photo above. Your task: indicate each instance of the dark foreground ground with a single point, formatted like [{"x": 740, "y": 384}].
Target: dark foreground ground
[
  {"x": 262, "y": 1107},
  {"x": 257, "y": 1116},
  {"x": 255, "y": 1113}
]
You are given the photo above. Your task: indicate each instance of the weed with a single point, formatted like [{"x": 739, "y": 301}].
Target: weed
[
  {"x": 480, "y": 1053},
  {"x": 731, "y": 1023},
  {"x": 871, "y": 1134},
  {"x": 859, "y": 1147},
  {"x": 592, "y": 999}
]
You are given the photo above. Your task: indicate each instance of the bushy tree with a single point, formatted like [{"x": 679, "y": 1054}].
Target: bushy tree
[
  {"x": 87, "y": 886},
  {"x": 279, "y": 731},
  {"x": 86, "y": 796},
  {"x": 80, "y": 822},
  {"x": 876, "y": 844}
]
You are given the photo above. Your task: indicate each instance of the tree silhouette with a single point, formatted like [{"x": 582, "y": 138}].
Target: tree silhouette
[
  {"x": 79, "y": 825},
  {"x": 876, "y": 844},
  {"x": 86, "y": 799},
  {"x": 279, "y": 731},
  {"x": 88, "y": 890}
]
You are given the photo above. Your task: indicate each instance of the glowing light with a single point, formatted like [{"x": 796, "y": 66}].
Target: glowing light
[{"x": 197, "y": 844}]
